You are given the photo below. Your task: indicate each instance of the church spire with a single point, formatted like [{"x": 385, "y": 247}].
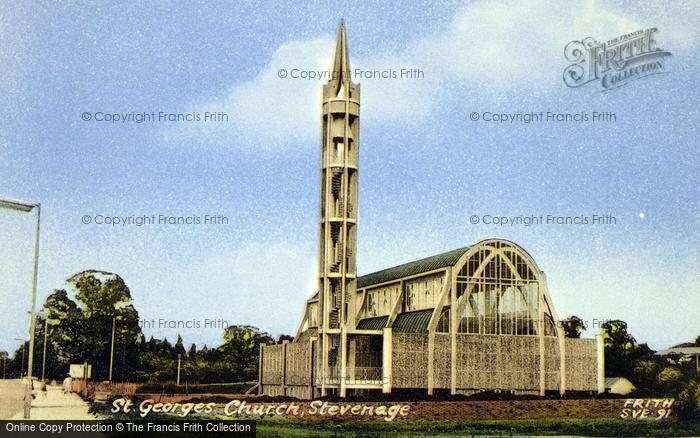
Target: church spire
[
  {"x": 341, "y": 60},
  {"x": 340, "y": 129}
]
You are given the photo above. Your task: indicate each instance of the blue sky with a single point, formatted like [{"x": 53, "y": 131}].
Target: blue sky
[{"x": 425, "y": 167}]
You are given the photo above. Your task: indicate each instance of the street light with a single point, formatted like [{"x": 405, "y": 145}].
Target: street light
[
  {"x": 179, "y": 361},
  {"x": 26, "y": 207},
  {"x": 117, "y": 307},
  {"x": 13, "y": 204},
  {"x": 46, "y": 330},
  {"x": 111, "y": 350}
]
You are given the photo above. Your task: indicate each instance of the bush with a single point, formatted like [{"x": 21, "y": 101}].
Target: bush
[
  {"x": 670, "y": 378},
  {"x": 689, "y": 401},
  {"x": 646, "y": 372}
]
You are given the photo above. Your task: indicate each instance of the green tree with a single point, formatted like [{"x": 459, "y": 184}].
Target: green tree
[
  {"x": 104, "y": 297},
  {"x": 621, "y": 350},
  {"x": 689, "y": 401},
  {"x": 240, "y": 352},
  {"x": 192, "y": 352},
  {"x": 282, "y": 338},
  {"x": 67, "y": 342},
  {"x": 17, "y": 366},
  {"x": 4, "y": 359},
  {"x": 573, "y": 326},
  {"x": 165, "y": 347},
  {"x": 179, "y": 347},
  {"x": 127, "y": 342},
  {"x": 80, "y": 330},
  {"x": 646, "y": 372},
  {"x": 670, "y": 378}
]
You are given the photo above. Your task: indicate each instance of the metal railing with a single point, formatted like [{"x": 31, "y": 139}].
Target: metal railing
[{"x": 363, "y": 375}]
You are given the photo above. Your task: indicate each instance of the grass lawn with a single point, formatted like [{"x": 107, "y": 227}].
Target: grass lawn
[{"x": 275, "y": 426}]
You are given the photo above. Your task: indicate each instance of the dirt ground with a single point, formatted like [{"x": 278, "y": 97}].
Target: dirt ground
[
  {"x": 516, "y": 409},
  {"x": 11, "y": 398}
]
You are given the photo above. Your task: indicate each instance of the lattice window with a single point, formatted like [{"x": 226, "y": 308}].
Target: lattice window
[
  {"x": 498, "y": 293},
  {"x": 443, "y": 325},
  {"x": 409, "y": 297}
]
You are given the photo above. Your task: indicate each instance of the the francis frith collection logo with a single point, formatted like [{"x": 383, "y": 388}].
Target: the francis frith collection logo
[{"x": 616, "y": 62}]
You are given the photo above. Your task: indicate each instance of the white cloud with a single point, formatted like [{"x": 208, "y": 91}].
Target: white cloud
[
  {"x": 271, "y": 111},
  {"x": 493, "y": 48},
  {"x": 509, "y": 46},
  {"x": 257, "y": 284}
]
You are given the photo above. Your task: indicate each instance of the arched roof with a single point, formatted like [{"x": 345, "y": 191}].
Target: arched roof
[{"x": 438, "y": 261}]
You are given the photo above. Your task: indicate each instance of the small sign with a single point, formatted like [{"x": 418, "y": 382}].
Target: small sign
[{"x": 77, "y": 371}]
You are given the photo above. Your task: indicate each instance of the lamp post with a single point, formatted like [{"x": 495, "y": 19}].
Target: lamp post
[
  {"x": 179, "y": 362},
  {"x": 43, "y": 355},
  {"x": 46, "y": 331},
  {"x": 26, "y": 207},
  {"x": 117, "y": 307},
  {"x": 111, "y": 353}
]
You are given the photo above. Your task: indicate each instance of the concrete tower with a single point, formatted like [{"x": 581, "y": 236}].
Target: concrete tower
[{"x": 340, "y": 122}]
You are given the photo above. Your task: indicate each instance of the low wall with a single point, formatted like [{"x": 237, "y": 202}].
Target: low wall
[
  {"x": 492, "y": 362},
  {"x": 286, "y": 370},
  {"x": 581, "y": 364},
  {"x": 484, "y": 362}
]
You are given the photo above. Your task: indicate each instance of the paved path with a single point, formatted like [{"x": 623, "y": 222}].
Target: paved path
[
  {"x": 11, "y": 398},
  {"x": 53, "y": 404}
]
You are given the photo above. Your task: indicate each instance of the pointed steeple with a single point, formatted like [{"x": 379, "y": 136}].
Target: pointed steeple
[{"x": 341, "y": 60}]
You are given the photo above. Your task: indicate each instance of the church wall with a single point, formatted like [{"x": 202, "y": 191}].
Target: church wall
[
  {"x": 409, "y": 360},
  {"x": 380, "y": 300},
  {"x": 286, "y": 370},
  {"x": 298, "y": 372},
  {"x": 484, "y": 362},
  {"x": 581, "y": 364},
  {"x": 498, "y": 362},
  {"x": 552, "y": 363},
  {"x": 493, "y": 362},
  {"x": 272, "y": 364},
  {"x": 441, "y": 361},
  {"x": 423, "y": 292}
]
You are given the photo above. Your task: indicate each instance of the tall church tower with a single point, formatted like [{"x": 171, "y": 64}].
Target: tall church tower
[{"x": 340, "y": 122}]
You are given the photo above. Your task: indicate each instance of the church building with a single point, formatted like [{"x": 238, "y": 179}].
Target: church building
[{"x": 476, "y": 318}]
